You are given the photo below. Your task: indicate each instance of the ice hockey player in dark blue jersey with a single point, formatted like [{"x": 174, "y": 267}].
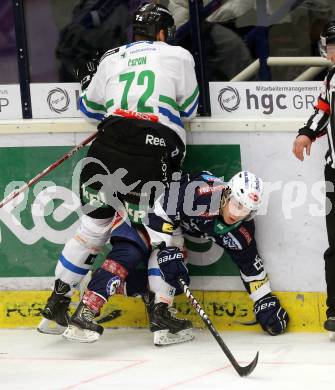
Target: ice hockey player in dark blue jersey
[
  {"x": 200, "y": 205},
  {"x": 206, "y": 207}
]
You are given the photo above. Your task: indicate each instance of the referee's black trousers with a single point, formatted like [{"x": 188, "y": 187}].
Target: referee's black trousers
[{"x": 329, "y": 254}]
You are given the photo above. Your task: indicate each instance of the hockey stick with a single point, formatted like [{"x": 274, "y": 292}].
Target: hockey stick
[
  {"x": 51, "y": 167},
  {"x": 242, "y": 371}
]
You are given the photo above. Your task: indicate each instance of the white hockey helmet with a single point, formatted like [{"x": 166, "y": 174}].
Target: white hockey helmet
[{"x": 247, "y": 190}]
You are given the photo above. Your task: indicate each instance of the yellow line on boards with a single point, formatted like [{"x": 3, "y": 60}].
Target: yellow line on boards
[{"x": 228, "y": 310}]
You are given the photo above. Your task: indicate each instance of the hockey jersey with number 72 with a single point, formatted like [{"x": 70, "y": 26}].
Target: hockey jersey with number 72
[{"x": 146, "y": 77}]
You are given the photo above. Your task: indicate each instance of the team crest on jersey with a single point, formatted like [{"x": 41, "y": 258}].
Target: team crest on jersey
[
  {"x": 112, "y": 285},
  {"x": 230, "y": 242}
]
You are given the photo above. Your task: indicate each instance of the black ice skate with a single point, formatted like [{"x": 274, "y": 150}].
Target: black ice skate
[
  {"x": 55, "y": 312},
  {"x": 330, "y": 326},
  {"x": 330, "y": 323},
  {"x": 166, "y": 327},
  {"x": 82, "y": 328}
]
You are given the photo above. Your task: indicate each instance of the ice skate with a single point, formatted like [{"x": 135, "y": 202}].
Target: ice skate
[
  {"x": 50, "y": 327},
  {"x": 56, "y": 310},
  {"x": 167, "y": 329},
  {"x": 82, "y": 328},
  {"x": 330, "y": 326}
]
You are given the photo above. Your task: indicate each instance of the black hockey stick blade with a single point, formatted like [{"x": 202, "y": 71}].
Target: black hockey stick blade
[
  {"x": 245, "y": 371},
  {"x": 242, "y": 371}
]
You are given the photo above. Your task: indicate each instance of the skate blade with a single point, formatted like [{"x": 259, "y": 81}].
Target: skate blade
[
  {"x": 50, "y": 327},
  {"x": 332, "y": 336},
  {"x": 72, "y": 333},
  {"x": 164, "y": 337}
]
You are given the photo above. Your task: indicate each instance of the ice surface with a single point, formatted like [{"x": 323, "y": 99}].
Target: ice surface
[{"x": 127, "y": 359}]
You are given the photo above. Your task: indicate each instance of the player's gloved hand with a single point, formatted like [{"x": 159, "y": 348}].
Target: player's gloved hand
[
  {"x": 270, "y": 315},
  {"x": 85, "y": 70},
  {"x": 171, "y": 265}
]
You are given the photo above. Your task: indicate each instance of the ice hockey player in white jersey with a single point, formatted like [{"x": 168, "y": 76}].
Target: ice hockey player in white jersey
[
  {"x": 141, "y": 93},
  {"x": 146, "y": 79}
]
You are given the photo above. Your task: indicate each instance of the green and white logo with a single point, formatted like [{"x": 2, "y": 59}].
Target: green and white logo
[{"x": 34, "y": 227}]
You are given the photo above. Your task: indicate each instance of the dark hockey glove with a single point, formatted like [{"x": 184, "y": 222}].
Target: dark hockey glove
[
  {"x": 85, "y": 71},
  {"x": 171, "y": 265},
  {"x": 270, "y": 315}
]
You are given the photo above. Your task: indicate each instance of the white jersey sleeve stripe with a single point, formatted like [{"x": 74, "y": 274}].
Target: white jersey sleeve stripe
[
  {"x": 190, "y": 100},
  {"x": 193, "y": 99},
  {"x": 93, "y": 105},
  {"x": 109, "y": 104},
  {"x": 191, "y": 110},
  {"x": 171, "y": 102},
  {"x": 172, "y": 117},
  {"x": 145, "y": 77},
  {"x": 93, "y": 115}
]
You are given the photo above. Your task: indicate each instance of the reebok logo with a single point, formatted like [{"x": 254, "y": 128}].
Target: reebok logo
[{"x": 155, "y": 141}]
